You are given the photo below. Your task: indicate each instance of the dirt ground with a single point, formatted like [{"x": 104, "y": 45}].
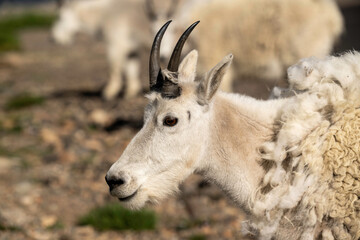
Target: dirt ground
[{"x": 53, "y": 159}]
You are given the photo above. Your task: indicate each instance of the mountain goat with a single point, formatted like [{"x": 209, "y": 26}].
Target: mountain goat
[
  {"x": 293, "y": 164},
  {"x": 265, "y": 36},
  {"x": 127, "y": 26}
]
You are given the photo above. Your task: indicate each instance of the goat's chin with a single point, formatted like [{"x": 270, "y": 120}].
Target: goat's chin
[
  {"x": 149, "y": 194},
  {"x": 137, "y": 202}
]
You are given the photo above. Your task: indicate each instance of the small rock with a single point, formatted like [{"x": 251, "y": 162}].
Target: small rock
[
  {"x": 101, "y": 118},
  {"x": 84, "y": 233},
  {"x": 27, "y": 200},
  {"x": 51, "y": 137},
  {"x": 48, "y": 221},
  {"x": 228, "y": 234},
  {"x": 39, "y": 235},
  {"x": 167, "y": 234},
  {"x": 93, "y": 144},
  {"x": 13, "y": 59},
  {"x": 68, "y": 156},
  {"x": 207, "y": 230}
]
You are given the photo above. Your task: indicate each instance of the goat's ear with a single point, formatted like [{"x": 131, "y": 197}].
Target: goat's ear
[
  {"x": 187, "y": 68},
  {"x": 210, "y": 84}
]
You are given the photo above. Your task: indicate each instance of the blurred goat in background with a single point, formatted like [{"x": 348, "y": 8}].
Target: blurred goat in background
[
  {"x": 265, "y": 36},
  {"x": 126, "y": 25}
]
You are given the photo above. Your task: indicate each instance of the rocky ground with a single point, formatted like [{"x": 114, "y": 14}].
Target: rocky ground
[{"x": 53, "y": 158}]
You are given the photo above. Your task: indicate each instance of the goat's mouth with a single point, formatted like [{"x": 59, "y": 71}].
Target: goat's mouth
[{"x": 128, "y": 198}]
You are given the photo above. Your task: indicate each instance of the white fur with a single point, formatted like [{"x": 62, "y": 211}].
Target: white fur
[{"x": 222, "y": 137}]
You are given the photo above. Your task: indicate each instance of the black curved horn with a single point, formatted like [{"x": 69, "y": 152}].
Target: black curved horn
[
  {"x": 175, "y": 56},
  {"x": 154, "y": 63}
]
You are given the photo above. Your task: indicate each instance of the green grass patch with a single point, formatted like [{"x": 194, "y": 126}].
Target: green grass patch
[
  {"x": 2, "y": 227},
  {"x": 11, "y": 25},
  {"x": 9, "y": 41},
  {"x": 197, "y": 237},
  {"x": 115, "y": 217},
  {"x": 23, "y": 100},
  {"x": 9, "y": 228}
]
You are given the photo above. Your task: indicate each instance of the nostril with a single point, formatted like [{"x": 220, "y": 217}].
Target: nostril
[
  {"x": 114, "y": 182},
  {"x": 117, "y": 182}
]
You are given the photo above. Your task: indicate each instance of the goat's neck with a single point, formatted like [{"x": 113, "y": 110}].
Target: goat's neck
[{"x": 238, "y": 126}]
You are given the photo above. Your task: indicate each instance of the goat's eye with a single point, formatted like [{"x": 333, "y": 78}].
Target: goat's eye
[{"x": 170, "y": 121}]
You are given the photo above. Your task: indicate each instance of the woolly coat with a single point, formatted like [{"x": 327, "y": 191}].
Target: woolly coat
[{"x": 311, "y": 188}]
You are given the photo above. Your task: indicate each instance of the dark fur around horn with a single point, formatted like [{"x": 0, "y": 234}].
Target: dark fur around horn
[{"x": 165, "y": 81}]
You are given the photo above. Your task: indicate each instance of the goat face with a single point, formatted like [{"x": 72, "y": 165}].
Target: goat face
[
  {"x": 162, "y": 154},
  {"x": 172, "y": 141}
]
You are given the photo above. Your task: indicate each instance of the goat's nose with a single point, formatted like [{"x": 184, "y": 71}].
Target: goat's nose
[{"x": 114, "y": 182}]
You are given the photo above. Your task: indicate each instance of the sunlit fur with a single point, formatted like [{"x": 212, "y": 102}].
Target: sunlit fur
[
  {"x": 244, "y": 146},
  {"x": 217, "y": 138}
]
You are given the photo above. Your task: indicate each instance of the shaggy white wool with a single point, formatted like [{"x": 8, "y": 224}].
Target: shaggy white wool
[{"x": 313, "y": 163}]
